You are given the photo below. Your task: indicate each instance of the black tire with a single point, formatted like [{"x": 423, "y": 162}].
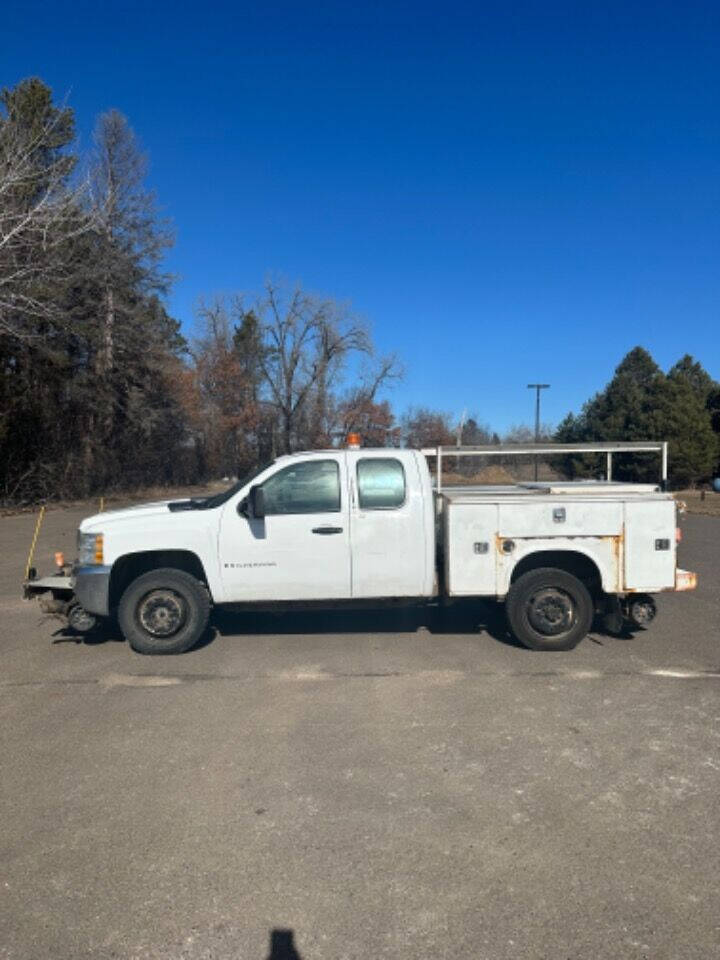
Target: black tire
[
  {"x": 549, "y": 609},
  {"x": 164, "y": 611}
]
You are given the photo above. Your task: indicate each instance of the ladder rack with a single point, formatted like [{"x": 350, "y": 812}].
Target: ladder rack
[{"x": 540, "y": 449}]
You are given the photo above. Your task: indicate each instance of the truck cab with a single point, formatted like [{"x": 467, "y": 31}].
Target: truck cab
[{"x": 334, "y": 525}]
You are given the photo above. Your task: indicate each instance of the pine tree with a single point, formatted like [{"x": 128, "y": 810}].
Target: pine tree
[
  {"x": 641, "y": 403},
  {"x": 690, "y": 371},
  {"x": 682, "y": 418}
]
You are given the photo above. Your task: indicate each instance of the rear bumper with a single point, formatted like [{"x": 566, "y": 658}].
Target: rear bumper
[
  {"x": 685, "y": 580},
  {"x": 92, "y": 589}
]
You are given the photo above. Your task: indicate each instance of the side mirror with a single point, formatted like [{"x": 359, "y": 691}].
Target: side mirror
[
  {"x": 257, "y": 502},
  {"x": 243, "y": 508}
]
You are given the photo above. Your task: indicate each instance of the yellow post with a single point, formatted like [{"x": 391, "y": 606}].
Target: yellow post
[
  {"x": 102, "y": 504},
  {"x": 34, "y": 541}
]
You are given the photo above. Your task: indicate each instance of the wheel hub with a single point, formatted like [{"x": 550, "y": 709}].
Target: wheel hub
[
  {"x": 162, "y": 613},
  {"x": 79, "y": 619},
  {"x": 551, "y": 611}
]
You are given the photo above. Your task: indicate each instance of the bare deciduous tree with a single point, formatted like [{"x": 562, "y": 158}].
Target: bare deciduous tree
[
  {"x": 424, "y": 427},
  {"x": 309, "y": 339},
  {"x": 39, "y": 217},
  {"x": 228, "y": 414},
  {"x": 132, "y": 237},
  {"x": 284, "y": 371},
  {"x": 359, "y": 411}
]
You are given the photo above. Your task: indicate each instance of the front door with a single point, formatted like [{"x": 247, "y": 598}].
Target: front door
[{"x": 301, "y": 549}]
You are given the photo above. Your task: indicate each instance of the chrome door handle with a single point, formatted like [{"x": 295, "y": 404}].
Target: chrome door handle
[{"x": 327, "y": 530}]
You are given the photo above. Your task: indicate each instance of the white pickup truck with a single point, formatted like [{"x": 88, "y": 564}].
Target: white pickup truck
[{"x": 359, "y": 526}]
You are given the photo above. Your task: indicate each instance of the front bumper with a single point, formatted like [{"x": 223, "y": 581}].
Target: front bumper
[
  {"x": 59, "y": 585},
  {"x": 92, "y": 589}
]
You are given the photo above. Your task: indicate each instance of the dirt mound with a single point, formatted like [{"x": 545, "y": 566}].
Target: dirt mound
[{"x": 494, "y": 474}]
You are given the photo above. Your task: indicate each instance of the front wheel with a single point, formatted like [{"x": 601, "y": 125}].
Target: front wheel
[
  {"x": 164, "y": 611},
  {"x": 549, "y": 609}
]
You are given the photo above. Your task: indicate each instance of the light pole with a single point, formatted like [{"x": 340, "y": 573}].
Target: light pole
[{"x": 537, "y": 387}]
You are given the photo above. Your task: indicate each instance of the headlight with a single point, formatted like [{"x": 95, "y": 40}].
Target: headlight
[{"x": 90, "y": 548}]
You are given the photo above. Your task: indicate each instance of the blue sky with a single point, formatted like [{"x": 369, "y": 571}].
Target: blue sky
[{"x": 507, "y": 192}]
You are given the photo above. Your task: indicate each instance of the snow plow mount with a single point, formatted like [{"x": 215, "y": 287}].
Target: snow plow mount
[{"x": 56, "y": 596}]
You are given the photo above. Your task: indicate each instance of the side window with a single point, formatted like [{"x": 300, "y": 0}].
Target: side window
[
  {"x": 312, "y": 486},
  {"x": 381, "y": 484}
]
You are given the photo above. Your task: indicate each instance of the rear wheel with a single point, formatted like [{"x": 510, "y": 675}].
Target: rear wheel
[
  {"x": 164, "y": 611},
  {"x": 549, "y": 609}
]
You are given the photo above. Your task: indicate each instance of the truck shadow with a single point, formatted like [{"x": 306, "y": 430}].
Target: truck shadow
[
  {"x": 459, "y": 618},
  {"x": 466, "y": 618},
  {"x": 471, "y": 617}
]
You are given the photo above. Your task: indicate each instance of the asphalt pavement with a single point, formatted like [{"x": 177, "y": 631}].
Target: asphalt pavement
[{"x": 382, "y": 784}]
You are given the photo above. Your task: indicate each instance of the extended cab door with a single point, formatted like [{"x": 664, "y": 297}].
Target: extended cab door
[
  {"x": 392, "y": 519},
  {"x": 300, "y": 550}
]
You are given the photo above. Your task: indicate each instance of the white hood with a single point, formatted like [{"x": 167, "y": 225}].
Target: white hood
[{"x": 99, "y": 520}]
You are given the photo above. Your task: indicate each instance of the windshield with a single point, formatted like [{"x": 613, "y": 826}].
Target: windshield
[{"x": 220, "y": 498}]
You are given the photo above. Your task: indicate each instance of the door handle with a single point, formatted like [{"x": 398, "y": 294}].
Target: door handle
[{"x": 327, "y": 530}]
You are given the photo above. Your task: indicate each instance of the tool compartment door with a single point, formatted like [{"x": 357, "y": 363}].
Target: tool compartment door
[
  {"x": 470, "y": 548},
  {"x": 560, "y": 518},
  {"x": 650, "y": 549}
]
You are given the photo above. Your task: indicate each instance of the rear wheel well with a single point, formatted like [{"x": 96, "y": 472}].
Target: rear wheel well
[
  {"x": 577, "y": 564},
  {"x": 132, "y": 565}
]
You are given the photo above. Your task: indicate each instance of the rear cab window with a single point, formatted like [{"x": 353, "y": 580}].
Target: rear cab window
[{"x": 380, "y": 483}]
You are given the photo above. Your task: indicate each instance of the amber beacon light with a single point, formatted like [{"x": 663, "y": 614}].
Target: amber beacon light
[{"x": 353, "y": 441}]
